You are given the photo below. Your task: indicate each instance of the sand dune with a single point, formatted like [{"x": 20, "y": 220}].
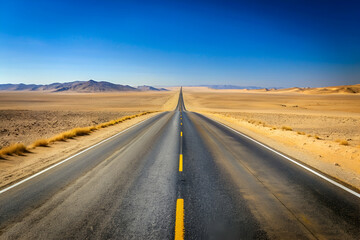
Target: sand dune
[{"x": 345, "y": 89}]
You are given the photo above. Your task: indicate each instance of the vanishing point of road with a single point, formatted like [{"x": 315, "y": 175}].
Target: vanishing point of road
[{"x": 179, "y": 175}]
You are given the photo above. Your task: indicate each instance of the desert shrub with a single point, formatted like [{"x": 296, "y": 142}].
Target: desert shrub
[
  {"x": 286, "y": 128},
  {"x": 316, "y": 137},
  {"x": 68, "y": 135},
  {"x": 300, "y": 133},
  {"x": 40, "y": 143},
  {"x": 87, "y": 130},
  {"x": 72, "y": 133},
  {"x": 342, "y": 142},
  {"x": 17, "y": 148},
  {"x": 80, "y": 131},
  {"x": 56, "y": 138},
  {"x": 92, "y": 128}
]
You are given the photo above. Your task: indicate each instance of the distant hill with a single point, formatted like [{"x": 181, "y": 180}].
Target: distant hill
[
  {"x": 77, "y": 86},
  {"x": 20, "y": 87},
  {"x": 93, "y": 86},
  {"x": 150, "y": 88}
]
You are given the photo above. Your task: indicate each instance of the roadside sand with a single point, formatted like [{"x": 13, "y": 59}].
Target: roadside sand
[
  {"x": 73, "y": 110},
  {"x": 319, "y": 124},
  {"x": 27, "y": 126},
  {"x": 15, "y": 168}
]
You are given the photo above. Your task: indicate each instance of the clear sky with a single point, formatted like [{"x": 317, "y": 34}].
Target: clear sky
[{"x": 262, "y": 43}]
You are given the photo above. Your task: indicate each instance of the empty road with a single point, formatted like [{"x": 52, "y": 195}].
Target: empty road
[{"x": 179, "y": 175}]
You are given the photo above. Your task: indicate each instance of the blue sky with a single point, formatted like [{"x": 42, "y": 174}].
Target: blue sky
[{"x": 262, "y": 43}]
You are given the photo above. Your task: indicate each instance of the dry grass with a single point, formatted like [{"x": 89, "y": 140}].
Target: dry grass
[
  {"x": 286, "y": 128},
  {"x": 17, "y": 148},
  {"x": 87, "y": 130},
  {"x": 40, "y": 143},
  {"x": 59, "y": 137},
  {"x": 80, "y": 131},
  {"x": 71, "y": 134},
  {"x": 342, "y": 142},
  {"x": 301, "y": 133},
  {"x": 20, "y": 148}
]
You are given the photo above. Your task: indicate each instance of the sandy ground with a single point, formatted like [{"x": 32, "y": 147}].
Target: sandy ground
[
  {"x": 318, "y": 122},
  {"x": 27, "y": 126},
  {"x": 27, "y": 116},
  {"x": 114, "y": 102},
  {"x": 15, "y": 168}
]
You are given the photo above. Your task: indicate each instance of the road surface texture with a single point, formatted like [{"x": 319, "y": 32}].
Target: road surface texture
[{"x": 178, "y": 175}]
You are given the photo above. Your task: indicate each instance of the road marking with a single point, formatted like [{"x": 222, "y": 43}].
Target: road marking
[
  {"x": 180, "y": 163},
  {"x": 180, "y": 134},
  {"x": 297, "y": 163},
  {"x": 179, "y": 222},
  {"x": 67, "y": 159},
  {"x": 180, "y": 118},
  {"x": 180, "y": 123}
]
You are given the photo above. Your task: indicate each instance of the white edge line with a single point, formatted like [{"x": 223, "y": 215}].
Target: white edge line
[
  {"x": 67, "y": 159},
  {"x": 297, "y": 163}
]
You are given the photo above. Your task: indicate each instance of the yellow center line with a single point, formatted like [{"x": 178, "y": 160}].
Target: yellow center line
[
  {"x": 180, "y": 123},
  {"x": 180, "y": 163},
  {"x": 180, "y": 134},
  {"x": 179, "y": 223}
]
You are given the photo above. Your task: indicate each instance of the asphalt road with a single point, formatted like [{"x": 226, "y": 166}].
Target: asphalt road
[{"x": 178, "y": 174}]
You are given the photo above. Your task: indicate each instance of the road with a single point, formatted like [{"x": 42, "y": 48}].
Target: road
[{"x": 178, "y": 175}]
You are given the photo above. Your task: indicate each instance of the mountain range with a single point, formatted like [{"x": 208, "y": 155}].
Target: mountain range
[
  {"x": 77, "y": 86},
  {"x": 150, "y": 88}
]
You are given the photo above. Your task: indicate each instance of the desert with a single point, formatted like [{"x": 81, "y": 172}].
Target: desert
[
  {"x": 28, "y": 117},
  {"x": 180, "y": 120},
  {"x": 319, "y": 129}
]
